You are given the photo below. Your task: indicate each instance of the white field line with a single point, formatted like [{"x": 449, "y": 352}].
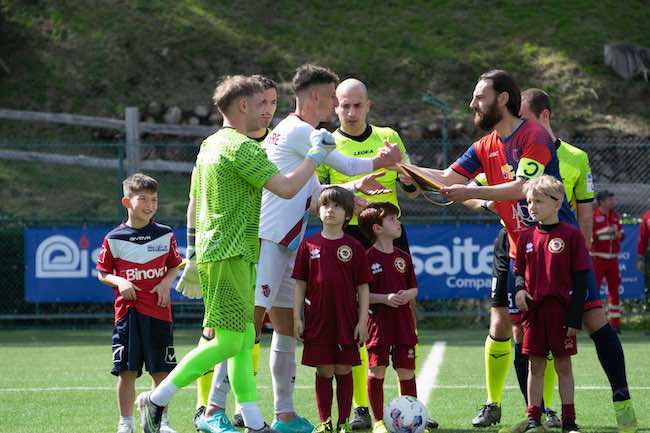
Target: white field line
[
  {"x": 144, "y": 388},
  {"x": 428, "y": 377}
]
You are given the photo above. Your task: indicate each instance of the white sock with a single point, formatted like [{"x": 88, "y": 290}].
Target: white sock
[
  {"x": 250, "y": 411},
  {"x": 282, "y": 362},
  {"x": 220, "y": 385},
  {"x": 129, "y": 420},
  {"x": 163, "y": 393}
]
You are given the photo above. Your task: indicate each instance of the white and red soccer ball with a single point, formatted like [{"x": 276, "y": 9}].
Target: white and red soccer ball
[{"x": 405, "y": 414}]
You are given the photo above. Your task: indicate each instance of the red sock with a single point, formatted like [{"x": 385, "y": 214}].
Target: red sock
[
  {"x": 324, "y": 395},
  {"x": 568, "y": 413},
  {"x": 407, "y": 387},
  {"x": 376, "y": 397},
  {"x": 535, "y": 413},
  {"x": 344, "y": 396}
]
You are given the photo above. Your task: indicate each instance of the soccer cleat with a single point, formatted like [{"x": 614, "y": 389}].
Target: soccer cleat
[
  {"x": 197, "y": 415},
  {"x": 324, "y": 427},
  {"x": 124, "y": 427},
  {"x": 490, "y": 414},
  {"x": 238, "y": 420},
  {"x": 379, "y": 427},
  {"x": 533, "y": 427},
  {"x": 164, "y": 424},
  {"x": 265, "y": 429},
  {"x": 344, "y": 428},
  {"x": 570, "y": 427},
  {"x": 150, "y": 414},
  {"x": 552, "y": 420},
  {"x": 431, "y": 424},
  {"x": 360, "y": 419},
  {"x": 296, "y": 425},
  {"x": 519, "y": 427},
  {"x": 625, "y": 417},
  {"x": 217, "y": 423}
]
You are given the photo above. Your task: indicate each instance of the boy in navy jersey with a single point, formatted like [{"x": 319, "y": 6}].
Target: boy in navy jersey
[
  {"x": 332, "y": 276},
  {"x": 551, "y": 267},
  {"x": 139, "y": 260},
  {"x": 391, "y": 324}
]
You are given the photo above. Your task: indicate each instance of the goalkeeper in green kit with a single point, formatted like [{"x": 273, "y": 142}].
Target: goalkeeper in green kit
[{"x": 231, "y": 170}]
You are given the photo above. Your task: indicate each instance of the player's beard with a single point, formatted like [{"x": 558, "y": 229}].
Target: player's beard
[{"x": 487, "y": 119}]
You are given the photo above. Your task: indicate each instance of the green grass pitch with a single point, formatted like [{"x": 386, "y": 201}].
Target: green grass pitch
[{"x": 58, "y": 381}]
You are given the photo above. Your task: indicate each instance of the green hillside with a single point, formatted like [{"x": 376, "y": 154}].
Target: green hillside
[{"x": 96, "y": 57}]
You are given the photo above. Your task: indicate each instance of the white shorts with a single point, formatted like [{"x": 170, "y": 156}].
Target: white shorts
[{"x": 274, "y": 285}]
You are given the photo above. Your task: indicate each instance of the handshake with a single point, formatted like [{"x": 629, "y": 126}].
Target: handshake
[{"x": 322, "y": 143}]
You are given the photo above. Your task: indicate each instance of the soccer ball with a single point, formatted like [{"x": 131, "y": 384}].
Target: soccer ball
[{"x": 405, "y": 414}]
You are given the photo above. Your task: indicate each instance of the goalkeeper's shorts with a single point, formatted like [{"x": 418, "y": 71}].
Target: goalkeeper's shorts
[{"x": 228, "y": 288}]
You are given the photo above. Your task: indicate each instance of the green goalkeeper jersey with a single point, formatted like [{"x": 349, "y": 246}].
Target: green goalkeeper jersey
[
  {"x": 367, "y": 145},
  {"x": 230, "y": 171}
]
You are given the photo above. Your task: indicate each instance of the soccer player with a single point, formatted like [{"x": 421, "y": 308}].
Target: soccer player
[
  {"x": 356, "y": 137},
  {"x": 190, "y": 287},
  {"x": 551, "y": 273},
  {"x": 514, "y": 151},
  {"x": 607, "y": 234},
  {"x": 139, "y": 260},
  {"x": 283, "y": 222},
  {"x": 642, "y": 253},
  {"x": 332, "y": 276},
  {"x": 230, "y": 172},
  {"x": 393, "y": 287}
]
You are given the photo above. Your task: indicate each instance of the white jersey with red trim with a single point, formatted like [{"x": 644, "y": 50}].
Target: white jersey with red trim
[{"x": 283, "y": 221}]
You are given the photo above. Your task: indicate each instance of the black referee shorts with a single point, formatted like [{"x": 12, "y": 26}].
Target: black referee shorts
[{"x": 500, "y": 265}]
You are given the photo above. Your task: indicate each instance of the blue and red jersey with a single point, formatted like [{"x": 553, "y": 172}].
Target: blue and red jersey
[{"x": 528, "y": 152}]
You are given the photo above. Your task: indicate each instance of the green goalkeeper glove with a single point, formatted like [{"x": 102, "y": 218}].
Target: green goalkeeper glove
[
  {"x": 322, "y": 143},
  {"x": 189, "y": 285}
]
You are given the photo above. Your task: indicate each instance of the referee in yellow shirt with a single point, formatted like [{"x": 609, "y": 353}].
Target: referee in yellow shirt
[{"x": 356, "y": 137}]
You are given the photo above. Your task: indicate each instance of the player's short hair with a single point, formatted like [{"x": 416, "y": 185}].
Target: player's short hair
[
  {"x": 232, "y": 87},
  {"x": 308, "y": 75},
  {"x": 340, "y": 196},
  {"x": 375, "y": 214},
  {"x": 267, "y": 83},
  {"x": 537, "y": 99},
  {"x": 546, "y": 185},
  {"x": 502, "y": 81},
  {"x": 139, "y": 182}
]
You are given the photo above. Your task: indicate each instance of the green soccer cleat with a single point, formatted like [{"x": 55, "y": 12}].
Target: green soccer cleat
[
  {"x": 625, "y": 417},
  {"x": 324, "y": 427},
  {"x": 296, "y": 425},
  {"x": 150, "y": 414},
  {"x": 217, "y": 423}
]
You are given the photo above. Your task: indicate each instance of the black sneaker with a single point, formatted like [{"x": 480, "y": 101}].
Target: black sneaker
[
  {"x": 570, "y": 427},
  {"x": 238, "y": 420},
  {"x": 150, "y": 414},
  {"x": 360, "y": 419},
  {"x": 198, "y": 414},
  {"x": 552, "y": 420},
  {"x": 490, "y": 414},
  {"x": 431, "y": 424}
]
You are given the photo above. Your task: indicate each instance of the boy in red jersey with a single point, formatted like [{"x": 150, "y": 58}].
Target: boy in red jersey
[
  {"x": 332, "y": 276},
  {"x": 551, "y": 268},
  {"x": 139, "y": 260},
  {"x": 391, "y": 328}
]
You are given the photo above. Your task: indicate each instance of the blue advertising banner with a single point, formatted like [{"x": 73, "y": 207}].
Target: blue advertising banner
[{"x": 450, "y": 260}]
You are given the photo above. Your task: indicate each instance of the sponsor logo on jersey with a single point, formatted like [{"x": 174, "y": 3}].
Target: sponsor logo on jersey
[
  {"x": 140, "y": 238},
  {"x": 161, "y": 248},
  {"x": 529, "y": 247},
  {"x": 599, "y": 218},
  {"x": 266, "y": 290},
  {"x": 410, "y": 354},
  {"x": 556, "y": 245},
  {"x": 493, "y": 154},
  {"x": 400, "y": 264},
  {"x": 344, "y": 253},
  {"x": 144, "y": 274},
  {"x": 314, "y": 253},
  {"x": 376, "y": 268}
]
